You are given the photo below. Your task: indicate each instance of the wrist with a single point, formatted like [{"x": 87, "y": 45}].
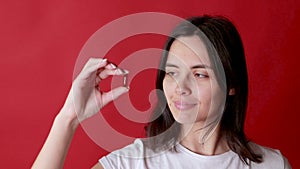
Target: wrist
[{"x": 68, "y": 118}]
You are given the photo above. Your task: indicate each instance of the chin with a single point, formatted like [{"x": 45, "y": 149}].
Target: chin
[{"x": 188, "y": 118}]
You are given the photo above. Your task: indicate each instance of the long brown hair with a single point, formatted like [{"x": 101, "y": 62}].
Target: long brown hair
[{"x": 226, "y": 40}]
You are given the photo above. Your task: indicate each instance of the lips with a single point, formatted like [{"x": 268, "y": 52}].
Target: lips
[{"x": 180, "y": 105}]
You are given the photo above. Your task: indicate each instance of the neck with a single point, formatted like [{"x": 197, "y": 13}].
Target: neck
[{"x": 213, "y": 144}]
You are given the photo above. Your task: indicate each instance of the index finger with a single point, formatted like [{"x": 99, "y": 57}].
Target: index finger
[{"x": 92, "y": 66}]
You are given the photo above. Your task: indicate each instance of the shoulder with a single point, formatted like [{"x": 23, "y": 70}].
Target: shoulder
[
  {"x": 132, "y": 150},
  {"x": 272, "y": 158}
]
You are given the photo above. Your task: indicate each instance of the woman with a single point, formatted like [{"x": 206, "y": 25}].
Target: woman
[{"x": 199, "y": 119}]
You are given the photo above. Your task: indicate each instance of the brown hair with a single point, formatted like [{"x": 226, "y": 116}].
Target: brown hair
[{"x": 226, "y": 40}]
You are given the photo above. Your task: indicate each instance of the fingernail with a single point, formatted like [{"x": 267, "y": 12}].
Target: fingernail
[
  {"x": 104, "y": 60},
  {"x": 125, "y": 71},
  {"x": 127, "y": 88},
  {"x": 113, "y": 66},
  {"x": 120, "y": 71}
]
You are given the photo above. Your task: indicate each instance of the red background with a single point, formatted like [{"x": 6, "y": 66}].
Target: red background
[{"x": 40, "y": 42}]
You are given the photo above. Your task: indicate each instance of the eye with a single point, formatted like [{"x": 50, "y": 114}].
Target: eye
[
  {"x": 200, "y": 75},
  {"x": 170, "y": 73}
]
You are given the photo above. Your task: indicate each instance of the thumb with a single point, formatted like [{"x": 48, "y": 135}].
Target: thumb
[{"x": 113, "y": 94}]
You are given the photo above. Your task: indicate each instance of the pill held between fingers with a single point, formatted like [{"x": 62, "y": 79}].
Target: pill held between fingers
[{"x": 125, "y": 80}]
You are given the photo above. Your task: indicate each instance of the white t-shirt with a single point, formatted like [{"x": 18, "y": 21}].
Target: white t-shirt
[{"x": 137, "y": 156}]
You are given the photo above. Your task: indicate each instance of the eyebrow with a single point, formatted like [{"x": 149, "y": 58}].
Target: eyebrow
[{"x": 202, "y": 66}]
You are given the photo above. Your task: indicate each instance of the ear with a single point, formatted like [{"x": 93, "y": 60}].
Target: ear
[{"x": 231, "y": 92}]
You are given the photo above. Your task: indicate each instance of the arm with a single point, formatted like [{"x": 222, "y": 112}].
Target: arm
[
  {"x": 54, "y": 151},
  {"x": 287, "y": 165},
  {"x": 84, "y": 100}
]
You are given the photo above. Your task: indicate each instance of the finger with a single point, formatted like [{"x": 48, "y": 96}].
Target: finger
[
  {"x": 92, "y": 66},
  {"x": 92, "y": 62},
  {"x": 111, "y": 66},
  {"x": 109, "y": 72},
  {"x": 113, "y": 94},
  {"x": 97, "y": 81}
]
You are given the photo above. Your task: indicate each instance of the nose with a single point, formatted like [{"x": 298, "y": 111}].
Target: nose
[{"x": 183, "y": 87}]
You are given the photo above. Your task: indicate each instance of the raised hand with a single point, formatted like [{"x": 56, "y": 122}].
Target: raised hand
[{"x": 85, "y": 97}]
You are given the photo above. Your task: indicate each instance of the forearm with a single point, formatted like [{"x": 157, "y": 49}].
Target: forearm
[
  {"x": 54, "y": 151},
  {"x": 86, "y": 90}
]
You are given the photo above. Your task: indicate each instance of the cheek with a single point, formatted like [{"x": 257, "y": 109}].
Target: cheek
[
  {"x": 212, "y": 102},
  {"x": 169, "y": 87},
  {"x": 203, "y": 92},
  {"x": 166, "y": 88}
]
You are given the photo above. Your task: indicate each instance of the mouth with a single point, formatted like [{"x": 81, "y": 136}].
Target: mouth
[{"x": 180, "y": 105}]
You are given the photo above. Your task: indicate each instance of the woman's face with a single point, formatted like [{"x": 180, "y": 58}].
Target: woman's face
[{"x": 190, "y": 86}]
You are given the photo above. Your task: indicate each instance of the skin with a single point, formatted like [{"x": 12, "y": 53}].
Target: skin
[
  {"x": 191, "y": 90},
  {"x": 86, "y": 92},
  {"x": 193, "y": 94}
]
